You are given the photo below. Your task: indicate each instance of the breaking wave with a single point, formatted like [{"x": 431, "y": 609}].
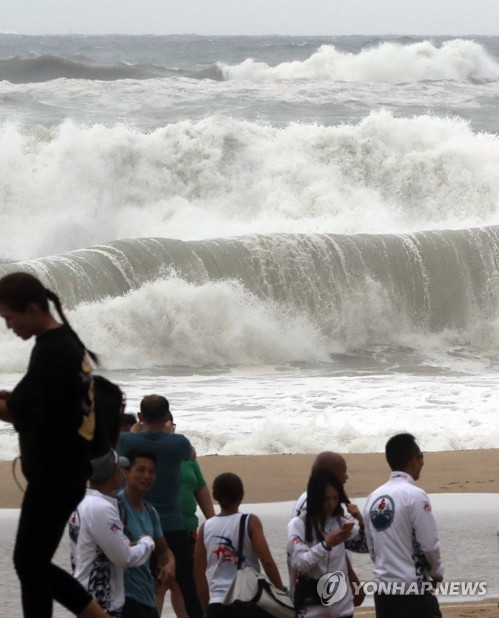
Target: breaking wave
[
  {"x": 274, "y": 298},
  {"x": 458, "y": 59}
]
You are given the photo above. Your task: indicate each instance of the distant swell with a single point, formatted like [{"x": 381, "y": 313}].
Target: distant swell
[
  {"x": 455, "y": 60},
  {"x": 278, "y": 298},
  {"x": 22, "y": 69},
  {"x": 459, "y": 60}
]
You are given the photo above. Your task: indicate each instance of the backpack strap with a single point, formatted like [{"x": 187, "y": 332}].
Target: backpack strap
[
  {"x": 242, "y": 529},
  {"x": 150, "y": 510},
  {"x": 123, "y": 517}
]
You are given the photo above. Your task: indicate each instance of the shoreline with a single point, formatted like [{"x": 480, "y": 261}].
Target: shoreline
[
  {"x": 282, "y": 478},
  {"x": 443, "y": 472}
]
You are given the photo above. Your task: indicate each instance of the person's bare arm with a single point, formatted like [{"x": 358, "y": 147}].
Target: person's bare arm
[
  {"x": 4, "y": 411},
  {"x": 262, "y": 550},
  {"x": 205, "y": 501},
  {"x": 166, "y": 561},
  {"x": 200, "y": 570}
]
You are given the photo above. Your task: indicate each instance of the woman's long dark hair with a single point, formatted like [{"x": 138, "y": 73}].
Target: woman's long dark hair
[
  {"x": 316, "y": 492},
  {"x": 18, "y": 290}
]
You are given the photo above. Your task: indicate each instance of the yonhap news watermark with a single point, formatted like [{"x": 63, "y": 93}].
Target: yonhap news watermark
[{"x": 332, "y": 587}]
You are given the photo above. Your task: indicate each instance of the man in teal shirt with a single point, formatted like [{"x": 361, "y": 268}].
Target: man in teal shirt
[
  {"x": 141, "y": 518},
  {"x": 170, "y": 450}
]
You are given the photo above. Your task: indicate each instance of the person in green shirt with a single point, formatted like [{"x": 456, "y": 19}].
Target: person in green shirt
[{"x": 194, "y": 492}]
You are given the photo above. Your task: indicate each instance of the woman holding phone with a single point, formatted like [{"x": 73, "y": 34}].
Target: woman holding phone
[
  {"x": 51, "y": 410},
  {"x": 316, "y": 548}
]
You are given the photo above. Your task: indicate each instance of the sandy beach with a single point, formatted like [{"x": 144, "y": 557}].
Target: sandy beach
[{"x": 280, "y": 478}]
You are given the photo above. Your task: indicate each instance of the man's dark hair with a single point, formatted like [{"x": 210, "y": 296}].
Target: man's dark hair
[
  {"x": 400, "y": 449},
  {"x": 154, "y": 408},
  {"x": 228, "y": 489},
  {"x": 135, "y": 454}
]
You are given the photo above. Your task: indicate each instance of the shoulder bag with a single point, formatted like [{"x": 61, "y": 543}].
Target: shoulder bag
[{"x": 251, "y": 595}]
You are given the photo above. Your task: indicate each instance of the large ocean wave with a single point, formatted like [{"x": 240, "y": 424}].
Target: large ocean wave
[
  {"x": 223, "y": 177},
  {"x": 460, "y": 60},
  {"x": 275, "y": 298}
]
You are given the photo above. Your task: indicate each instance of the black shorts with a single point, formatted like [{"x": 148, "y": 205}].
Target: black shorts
[
  {"x": 407, "y": 606},
  {"x": 134, "y": 609}
]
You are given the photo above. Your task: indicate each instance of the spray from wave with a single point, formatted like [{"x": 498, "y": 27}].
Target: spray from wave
[
  {"x": 459, "y": 60},
  {"x": 223, "y": 177}
]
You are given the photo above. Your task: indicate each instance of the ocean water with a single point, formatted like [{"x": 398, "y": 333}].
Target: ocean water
[{"x": 295, "y": 239}]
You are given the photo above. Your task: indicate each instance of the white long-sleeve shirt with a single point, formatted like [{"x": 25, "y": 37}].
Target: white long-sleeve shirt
[
  {"x": 401, "y": 532},
  {"x": 315, "y": 560},
  {"x": 100, "y": 550}
]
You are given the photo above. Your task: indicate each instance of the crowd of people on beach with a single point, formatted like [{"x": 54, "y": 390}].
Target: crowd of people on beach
[{"x": 132, "y": 511}]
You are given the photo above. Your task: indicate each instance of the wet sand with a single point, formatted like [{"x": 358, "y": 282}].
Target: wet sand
[{"x": 278, "y": 478}]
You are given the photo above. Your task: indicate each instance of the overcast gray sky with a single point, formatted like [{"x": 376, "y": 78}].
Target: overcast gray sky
[{"x": 308, "y": 17}]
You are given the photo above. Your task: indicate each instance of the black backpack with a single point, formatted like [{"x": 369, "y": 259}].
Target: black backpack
[{"x": 109, "y": 405}]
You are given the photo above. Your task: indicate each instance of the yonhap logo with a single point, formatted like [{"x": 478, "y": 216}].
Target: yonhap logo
[{"x": 332, "y": 587}]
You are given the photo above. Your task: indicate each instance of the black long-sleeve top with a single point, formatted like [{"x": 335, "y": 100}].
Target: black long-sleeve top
[{"x": 47, "y": 408}]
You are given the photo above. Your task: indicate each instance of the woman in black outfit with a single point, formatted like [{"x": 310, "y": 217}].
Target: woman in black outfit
[{"x": 50, "y": 408}]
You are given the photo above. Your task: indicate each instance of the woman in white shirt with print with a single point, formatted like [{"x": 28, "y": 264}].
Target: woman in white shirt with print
[{"x": 216, "y": 557}]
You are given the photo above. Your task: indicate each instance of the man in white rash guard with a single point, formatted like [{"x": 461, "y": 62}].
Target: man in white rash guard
[
  {"x": 99, "y": 548},
  {"x": 402, "y": 537}
]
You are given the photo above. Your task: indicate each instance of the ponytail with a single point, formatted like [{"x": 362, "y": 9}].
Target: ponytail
[{"x": 52, "y": 296}]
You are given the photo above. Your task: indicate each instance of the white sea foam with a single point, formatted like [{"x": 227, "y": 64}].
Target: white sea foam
[
  {"x": 306, "y": 409},
  {"x": 461, "y": 60},
  {"x": 175, "y": 323},
  {"x": 222, "y": 177}
]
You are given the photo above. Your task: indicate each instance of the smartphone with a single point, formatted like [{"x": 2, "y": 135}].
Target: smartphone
[{"x": 347, "y": 526}]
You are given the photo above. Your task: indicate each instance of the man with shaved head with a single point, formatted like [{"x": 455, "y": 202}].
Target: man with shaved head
[{"x": 335, "y": 463}]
